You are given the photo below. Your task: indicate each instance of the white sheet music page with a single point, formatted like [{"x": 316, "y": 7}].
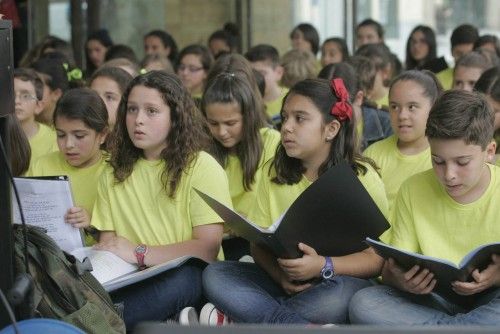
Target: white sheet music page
[
  {"x": 45, "y": 202},
  {"x": 106, "y": 266}
]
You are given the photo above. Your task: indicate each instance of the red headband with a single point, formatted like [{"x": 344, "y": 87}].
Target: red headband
[{"x": 341, "y": 109}]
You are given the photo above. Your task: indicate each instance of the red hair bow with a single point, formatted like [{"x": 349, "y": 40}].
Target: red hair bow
[{"x": 341, "y": 109}]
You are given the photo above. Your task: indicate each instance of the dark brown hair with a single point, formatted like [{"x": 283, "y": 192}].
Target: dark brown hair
[
  {"x": 20, "y": 149},
  {"x": 185, "y": 138},
  {"x": 425, "y": 79},
  {"x": 83, "y": 104},
  {"x": 117, "y": 74},
  {"x": 462, "y": 115},
  {"x": 228, "y": 87},
  {"x": 344, "y": 146}
]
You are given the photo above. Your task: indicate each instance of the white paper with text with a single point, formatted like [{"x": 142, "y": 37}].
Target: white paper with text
[{"x": 45, "y": 202}]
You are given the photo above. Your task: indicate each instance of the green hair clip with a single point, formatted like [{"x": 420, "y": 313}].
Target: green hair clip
[{"x": 74, "y": 74}]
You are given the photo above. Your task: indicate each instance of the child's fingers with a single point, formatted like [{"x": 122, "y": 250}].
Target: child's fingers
[
  {"x": 82, "y": 224},
  {"x": 429, "y": 287},
  {"x": 74, "y": 209},
  {"x": 410, "y": 273}
]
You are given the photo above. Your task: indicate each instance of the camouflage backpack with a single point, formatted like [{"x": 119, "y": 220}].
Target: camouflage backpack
[{"x": 62, "y": 289}]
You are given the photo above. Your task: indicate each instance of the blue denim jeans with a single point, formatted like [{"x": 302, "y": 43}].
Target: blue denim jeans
[
  {"x": 246, "y": 293},
  {"x": 160, "y": 297},
  {"x": 384, "y": 305}
]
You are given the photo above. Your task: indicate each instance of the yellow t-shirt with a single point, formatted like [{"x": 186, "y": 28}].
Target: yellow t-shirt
[
  {"x": 45, "y": 141},
  {"x": 83, "y": 180},
  {"x": 427, "y": 220},
  {"x": 445, "y": 77},
  {"x": 273, "y": 108},
  {"x": 395, "y": 167},
  {"x": 244, "y": 200},
  {"x": 498, "y": 162},
  {"x": 140, "y": 210},
  {"x": 274, "y": 199}
]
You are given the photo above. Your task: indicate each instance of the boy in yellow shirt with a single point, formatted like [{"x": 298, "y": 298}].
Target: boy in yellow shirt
[
  {"x": 444, "y": 212},
  {"x": 28, "y": 88},
  {"x": 462, "y": 41},
  {"x": 265, "y": 60}
]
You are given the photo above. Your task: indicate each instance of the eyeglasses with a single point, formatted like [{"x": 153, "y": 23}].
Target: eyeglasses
[
  {"x": 190, "y": 68},
  {"x": 25, "y": 97}
]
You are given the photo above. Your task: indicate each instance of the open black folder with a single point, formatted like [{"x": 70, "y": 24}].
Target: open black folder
[
  {"x": 444, "y": 271},
  {"x": 333, "y": 215}
]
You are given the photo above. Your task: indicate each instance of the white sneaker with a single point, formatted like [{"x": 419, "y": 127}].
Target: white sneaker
[
  {"x": 188, "y": 316},
  {"x": 211, "y": 316}
]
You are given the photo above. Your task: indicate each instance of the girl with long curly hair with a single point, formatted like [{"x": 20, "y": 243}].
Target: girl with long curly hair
[{"x": 147, "y": 209}]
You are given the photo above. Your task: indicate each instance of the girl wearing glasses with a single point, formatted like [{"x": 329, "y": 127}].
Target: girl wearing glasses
[{"x": 194, "y": 63}]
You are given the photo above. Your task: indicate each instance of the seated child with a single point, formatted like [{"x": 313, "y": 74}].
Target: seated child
[
  {"x": 28, "y": 89},
  {"x": 241, "y": 142},
  {"x": 81, "y": 123},
  {"x": 444, "y": 212},
  {"x": 462, "y": 41},
  {"x": 265, "y": 59},
  {"x": 147, "y": 209},
  {"x": 317, "y": 132},
  {"x": 405, "y": 153}
]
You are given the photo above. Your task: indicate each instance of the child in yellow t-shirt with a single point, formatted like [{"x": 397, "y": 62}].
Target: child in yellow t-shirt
[
  {"x": 265, "y": 59},
  {"x": 407, "y": 151},
  {"x": 444, "y": 212},
  {"x": 241, "y": 142},
  {"x": 147, "y": 208},
  {"x": 81, "y": 123},
  {"x": 317, "y": 132},
  {"x": 462, "y": 41},
  {"x": 28, "y": 88}
]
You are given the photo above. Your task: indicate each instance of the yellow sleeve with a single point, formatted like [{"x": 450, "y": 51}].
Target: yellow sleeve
[
  {"x": 101, "y": 214},
  {"x": 260, "y": 213},
  {"x": 210, "y": 178}
]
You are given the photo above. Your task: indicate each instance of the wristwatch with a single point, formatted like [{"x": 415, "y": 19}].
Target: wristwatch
[
  {"x": 328, "y": 270},
  {"x": 140, "y": 251}
]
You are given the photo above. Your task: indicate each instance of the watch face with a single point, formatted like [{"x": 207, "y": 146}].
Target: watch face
[
  {"x": 141, "y": 249},
  {"x": 327, "y": 273}
]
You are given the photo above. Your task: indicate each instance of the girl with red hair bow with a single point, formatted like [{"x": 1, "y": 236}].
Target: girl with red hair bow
[{"x": 318, "y": 132}]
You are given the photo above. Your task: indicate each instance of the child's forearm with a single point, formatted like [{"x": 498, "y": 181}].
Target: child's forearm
[
  {"x": 202, "y": 249},
  {"x": 363, "y": 264},
  {"x": 205, "y": 244}
]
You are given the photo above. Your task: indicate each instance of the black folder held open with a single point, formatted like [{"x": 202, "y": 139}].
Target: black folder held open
[{"x": 333, "y": 215}]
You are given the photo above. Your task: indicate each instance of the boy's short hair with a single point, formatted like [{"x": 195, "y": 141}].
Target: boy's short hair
[
  {"x": 297, "y": 65},
  {"x": 474, "y": 59},
  {"x": 371, "y": 22},
  {"x": 263, "y": 52},
  {"x": 464, "y": 34},
  {"x": 462, "y": 115},
  {"x": 120, "y": 51},
  {"x": 28, "y": 74}
]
